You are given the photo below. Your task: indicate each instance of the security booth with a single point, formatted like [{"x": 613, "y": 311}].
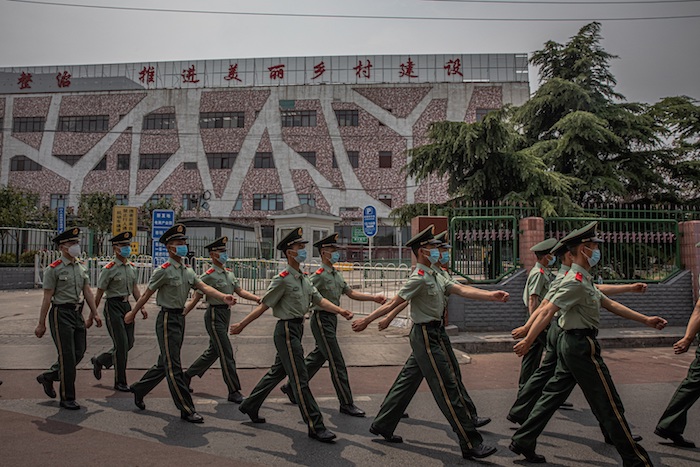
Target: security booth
[{"x": 315, "y": 222}]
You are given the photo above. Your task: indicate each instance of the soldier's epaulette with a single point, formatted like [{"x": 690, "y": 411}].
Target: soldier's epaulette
[
  {"x": 228, "y": 269},
  {"x": 421, "y": 272},
  {"x": 55, "y": 263},
  {"x": 541, "y": 271},
  {"x": 209, "y": 271},
  {"x": 319, "y": 271},
  {"x": 579, "y": 277},
  {"x": 166, "y": 265},
  {"x": 109, "y": 265},
  {"x": 284, "y": 273}
]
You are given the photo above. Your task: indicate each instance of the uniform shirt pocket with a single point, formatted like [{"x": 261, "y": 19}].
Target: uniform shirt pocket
[
  {"x": 63, "y": 278},
  {"x": 431, "y": 290}
]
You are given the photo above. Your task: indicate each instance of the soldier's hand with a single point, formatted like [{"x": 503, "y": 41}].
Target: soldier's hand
[
  {"x": 519, "y": 333},
  {"x": 639, "y": 287},
  {"x": 40, "y": 330},
  {"x": 129, "y": 317},
  {"x": 656, "y": 322},
  {"x": 521, "y": 348},
  {"x": 384, "y": 323},
  {"x": 347, "y": 314},
  {"x": 682, "y": 346},
  {"x": 88, "y": 321},
  {"x": 236, "y": 328},
  {"x": 144, "y": 314},
  {"x": 98, "y": 321},
  {"x": 230, "y": 300},
  {"x": 359, "y": 325},
  {"x": 379, "y": 298},
  {"x": 500, "y": 296}
]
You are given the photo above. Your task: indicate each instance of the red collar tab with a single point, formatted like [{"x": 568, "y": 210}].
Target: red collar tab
[
  {"x": 579, "y": 277},
  {"x": 109, "y": 265},
  {"x": 319, "y": 271},
  {"x": 421, "y": 272},
  {"x": 284, "y": 273},
  {"x": 166, "y": 265},
  {"x": 210, "y": 270},
  {"x": 55, "y": 263},
  {"x": 541, "y": 271}
]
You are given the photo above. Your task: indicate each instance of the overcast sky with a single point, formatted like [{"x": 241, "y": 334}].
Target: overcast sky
[{"x": 658, "y": 57}]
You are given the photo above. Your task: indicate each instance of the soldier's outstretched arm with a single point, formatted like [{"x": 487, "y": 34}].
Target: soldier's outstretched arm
[
  {"x": 386, "y": 321},
  {"x": 45, "y": 305},
  {"x": 212, "y": 292},
  {"x": 519, "y": 333},
  {"x": 333, "y": 308},
  {"x": 622, "y": 311},
  {"x": 362, "y": 323},
  {"x": 248, "y": 295},
  {"x": 616, "y": 289},
  {"x": 129, "y": 317},
  {"x": 366, "y": 297},
  {"x": 691, "y": 330},
  {"x": 252, "y": 316},
  {"x": 98, "y": 297},
  {"x": 193, "y": 303},
  {"x": 474, "y": 293},
  {"x": 541, "y": 321},
  {"x": 90, "y": 299}
]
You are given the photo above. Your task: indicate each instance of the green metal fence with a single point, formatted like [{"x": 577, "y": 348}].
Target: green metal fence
[
  {"x": 635, "y": 249},
  {"x": 484, "y": 248}
]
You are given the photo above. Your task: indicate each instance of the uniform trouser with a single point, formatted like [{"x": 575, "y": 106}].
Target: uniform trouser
[
  {"x": 216, "y": 321},
  {"x": 170, "y": 329},
  {"x": 323, "y": 327},
  {"x": 675, "y": 416},
  {"x": 289, "y": 361},
  {"x": 530, "y": 392},
  {"x": 531, "y": 361},
  {"x": 580, "y": 363},
  {"x": 430, "y": 361},
  {"x": 68, "y": 333},
  {"x": 122, "y": 335}
]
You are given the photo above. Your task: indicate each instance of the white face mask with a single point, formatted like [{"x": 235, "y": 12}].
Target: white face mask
[{"x": 74, "y": 250}]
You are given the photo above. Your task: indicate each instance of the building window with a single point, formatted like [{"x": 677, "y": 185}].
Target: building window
[
  {"x": 348, "y": 209},
  {"x": 190, "y": 201},
  {"x": 221, "y": 120},
  {"x": 307, "y": 198},
  {"x": 348, "y": 117},
  {"x": 354, "y": 158},
  {"x": 386, "y": 199},
  {"x": 223, "y": 160},
  {"x": 58, "y": 201},
  {"x": 481, "y": 113},
  {"x": 159, "y": 122},
  {"x": 84, "y": 123},
  {"x": 123, "y": 161},
  {"x": 158, "y": 196},
  {"x": 238, "y": 205},
  {"x": 309, "y": 156},
  {"x": 28, "y": 124},
  {"x": 384, "y": 159},
  {"x": 122, "y": 199},
  {"x": 264, "y": 160},
  {"x": 291, "y": 118},
  {"x": 153, "y": 161},
  {"x": 190, "y": 166},
  {"x": 268, "y": 202},
  {"x": 102, "y": 165},
  {"x": 334, "y": 162},
  {"x": 70, "y": 159},
  {"x": 23, "y": 164}
]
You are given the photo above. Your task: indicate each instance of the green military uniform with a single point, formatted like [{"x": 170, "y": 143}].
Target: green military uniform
[
  {"x": 538, "y": 281},
  {"x": 580, "y": 362},
  {"x": 173, "y": 282},
  {"x": 290, "y": 296},
  {"x": 216, "y": 321},
  {"x": 426, "y": 290},
  {"x": 118, "y": 280},
  {"x": 67, "y": 279}
]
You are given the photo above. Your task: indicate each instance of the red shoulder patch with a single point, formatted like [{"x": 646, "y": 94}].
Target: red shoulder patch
[
  {"x": 209, "y": 271},
  {"x": 166, "y": 265},
  {"x": 228, "y": 269},
  {"x": 319, "y": 271},
  {"x": 55, "y": 263},
  {"x": 579, "y": 277},
  {"x": 109, "y": 265},
  {"x": 421, "y": 272},
  {"x": 567, "y": 272},
  {"x": 284, "y": 273},
  {"x": 541, "y": 271},
  {"x": 132, "y": 263}
]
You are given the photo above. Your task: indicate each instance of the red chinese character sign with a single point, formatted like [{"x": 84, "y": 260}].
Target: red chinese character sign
[
  {"x": 25, "y": 80},
  {"x": 147, "y": 75},
  {"x": 319, "y": 69},
  {"x": 454, "y": 67},
  {"x": 407, "y": 70},
  {"x": 63, "y": 79},
  {"x": 276, "y": 71},
  {"x": 189, "y": 75},
  {"x": 232, "y": 73},
  {"x": 363, "y": 70}
]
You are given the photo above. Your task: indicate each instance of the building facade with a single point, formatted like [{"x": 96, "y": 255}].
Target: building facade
[{"x": 240, "y": 140}]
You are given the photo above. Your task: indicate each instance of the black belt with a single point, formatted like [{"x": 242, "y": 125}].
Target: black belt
[
  {"x": 118, "y": 299},
  {"x": 432, "y": 324},
  {"x": 175, "y": 311},
  {"x": 69, "y": 306},
  {"x": 582, "y": 332},
  {"x": 295, "y": 320}
]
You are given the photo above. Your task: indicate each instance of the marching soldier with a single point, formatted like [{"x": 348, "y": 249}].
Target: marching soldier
[
  {"x": 673, "y": 421},
  {"x": 580, "y": 361},
  {"x": 536, "y": 288},
  {"x": 64, "y": 280},
  {"x": 173, "y": 281},
  {"x": 331, "y": 285},
  {"x": 426, "y": 289},
  {"x": 217, "y": 319},
  {"x": 289, "y": 295},
  {"x": 117, "y": 281}
]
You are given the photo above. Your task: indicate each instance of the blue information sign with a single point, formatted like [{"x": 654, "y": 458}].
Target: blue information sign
[
  {"x": 369, "y": 221},
  {"x": 61, "y": 215},
  {"x": 162, "y": 220}
]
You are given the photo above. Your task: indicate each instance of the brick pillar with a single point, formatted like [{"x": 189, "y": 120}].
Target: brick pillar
[
  {"x": 690, "y": 256},
  {"x": 531, "y": 233}
]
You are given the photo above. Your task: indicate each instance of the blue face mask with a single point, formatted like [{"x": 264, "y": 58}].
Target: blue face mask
[
  {"x": 125, "y": 251},
  {"x": 445, "y": 257},
  {"x": 594, "y": 258},
  {"x": 181, "y": 250},
  {"x": 335, "y": 257},
  {"x": 552, "y": 261},
  {"x": 223, "y": 257},
  {"x": 434, "y": 255},
  {"x": 301, "y": 255}
]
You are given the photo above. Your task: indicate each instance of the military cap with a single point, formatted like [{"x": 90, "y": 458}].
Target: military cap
[
  {"x": 559, "y": 249},
  {"x": 124, "y": 237},
  {"x": 442, "y": 238},
  {"x": 176, "y": 232},
  {"x": 331, "y": 241},
  {"x": 68, "y": 235},
  {"x": 218, "y": 245},
  {"x": 424, "y": 237},
  {"x": 545, "y": 246},
  {"x": 295, "y": 236},
  {"x": 582, "y": 235}
]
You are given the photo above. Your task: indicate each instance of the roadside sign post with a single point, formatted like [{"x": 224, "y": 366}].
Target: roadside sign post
[
  {"x": 369, "y": 226},
  {"x": 126, "y": 218},
  {"x": 61, "y": 217},
  {"x": 162, "y": 220}
]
